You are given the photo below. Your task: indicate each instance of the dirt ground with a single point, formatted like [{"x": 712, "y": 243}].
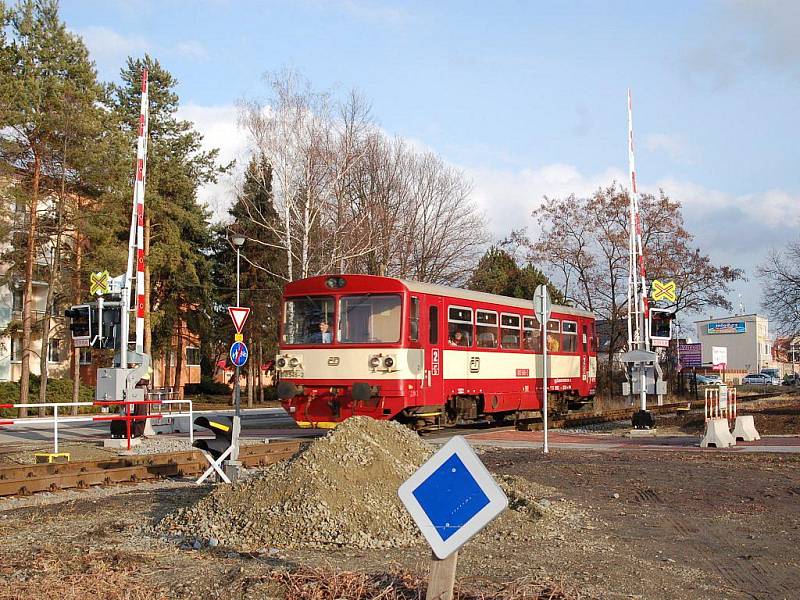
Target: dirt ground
[{"x": 684, "y": 525}]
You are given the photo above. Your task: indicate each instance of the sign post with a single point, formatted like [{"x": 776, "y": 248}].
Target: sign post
[
  {"x": 239, "y": 355},
  {"x": 541, "y": 306},
  {"x": 451, "y": 498}
]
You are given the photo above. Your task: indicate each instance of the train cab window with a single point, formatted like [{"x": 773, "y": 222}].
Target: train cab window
[
  {"x": 532, "y": 334},
  {"x": 369, "y": 319},
  {"x": 413, "y": 321},
  {"x": 486, "y": 329},
  {"x": 569, "y": 336},
  {"x": 308, "y": 320},
  {"x": 553, "y": 336},
  {"x": 459, "y": 326},
  {"x": 433, "y": 324},
  {"x": 509, "y": 331}
]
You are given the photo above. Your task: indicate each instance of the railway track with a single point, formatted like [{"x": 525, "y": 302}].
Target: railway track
[{"x": 29, "y": 479}]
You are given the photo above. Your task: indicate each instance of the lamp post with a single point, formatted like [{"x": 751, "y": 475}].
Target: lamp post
[{"x": 233, "y": 464}]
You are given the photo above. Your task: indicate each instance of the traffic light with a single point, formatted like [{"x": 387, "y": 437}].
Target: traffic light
[
  {"x": 222, "y": 428},
  {"x": 661, "y": 324},
  {"x": 110, "y": 328},
  {"x": 80, "y": 324}
]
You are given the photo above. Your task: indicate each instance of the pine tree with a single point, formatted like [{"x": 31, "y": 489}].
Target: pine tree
[
  {"x": 47, "y": 83},
  {"x": 498, "y": 273},
  {"x": 177, "y": 231},
  {"x": 261, "y": 259}
]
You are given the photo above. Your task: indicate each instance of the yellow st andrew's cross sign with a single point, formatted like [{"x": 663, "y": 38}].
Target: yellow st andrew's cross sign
[
  {"x": 663, "y": 290},
  {"x": 99, "y": 283}
]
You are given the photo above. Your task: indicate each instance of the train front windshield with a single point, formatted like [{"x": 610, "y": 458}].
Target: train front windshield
[
  {"x": 308, "y": 320},
  {"x": 369, "y": 319}
]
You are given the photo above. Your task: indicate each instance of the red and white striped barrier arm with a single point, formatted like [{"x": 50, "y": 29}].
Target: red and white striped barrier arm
[{"x": 138, "y": 197}]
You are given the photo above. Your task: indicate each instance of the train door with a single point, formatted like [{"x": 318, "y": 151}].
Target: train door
[
  {"x": 584, "y": 358},
  {"x": 434, "y": 357}
]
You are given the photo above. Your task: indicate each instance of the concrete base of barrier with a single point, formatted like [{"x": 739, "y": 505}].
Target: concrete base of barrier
[
  {"x": 121, "y": 443},
  {"x": 717, "y": 434},
  {"x": 745, "y": 429},
  {"x": 171, "y": 425},
  {"x": 638, "y": 433}
]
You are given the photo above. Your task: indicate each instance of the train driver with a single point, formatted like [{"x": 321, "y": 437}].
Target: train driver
[{"x": 325, "y": 335}]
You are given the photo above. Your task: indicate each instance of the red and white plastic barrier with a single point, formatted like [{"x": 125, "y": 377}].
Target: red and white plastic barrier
[{"x": 126, "y": 416}]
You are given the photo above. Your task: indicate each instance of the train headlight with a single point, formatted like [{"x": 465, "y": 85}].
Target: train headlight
[
  {"x": 281, "y": 362},
  {"x": 374, "y": 362},
  {"x": 388, "y": 362},
  {"x": 293, "y": 362}
]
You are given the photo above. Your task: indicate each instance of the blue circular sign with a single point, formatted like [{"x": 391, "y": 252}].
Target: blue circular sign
[{"x": 238, "y": 354}]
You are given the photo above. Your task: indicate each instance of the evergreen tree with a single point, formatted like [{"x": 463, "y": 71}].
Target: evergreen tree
[
  {"x": 261, "y": 259},
  {"x": 177, "y": 231},
  {"x": 498, "y": 273},
  {"x": 48, "y": 92}
]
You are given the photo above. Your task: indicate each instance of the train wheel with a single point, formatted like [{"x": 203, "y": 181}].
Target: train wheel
[{"x": 522, "y": 426}]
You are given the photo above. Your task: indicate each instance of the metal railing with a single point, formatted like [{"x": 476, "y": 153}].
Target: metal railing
[{"x": 104, "y": 405}]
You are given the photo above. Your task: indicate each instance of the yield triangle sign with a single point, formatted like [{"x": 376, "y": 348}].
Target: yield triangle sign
[{"x": 239, "y": 316}]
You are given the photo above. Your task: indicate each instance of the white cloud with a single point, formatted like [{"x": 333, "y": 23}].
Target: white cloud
[
  {"x": 747, "y": 35},
  {"x": 192, "y": 49},
  {"x": 109, "y": 49},
  {"x": 673, "y": 145},
  {"x": 510, "y": 196},
  {"x": 219, "y": 129}
]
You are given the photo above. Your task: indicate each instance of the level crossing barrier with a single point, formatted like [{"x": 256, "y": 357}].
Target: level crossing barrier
[{"x": 126, "y": 415}]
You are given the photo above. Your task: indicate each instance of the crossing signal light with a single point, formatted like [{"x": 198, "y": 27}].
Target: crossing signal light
[
  {"x": 661, "y": 324},
  {"x": 80, "y": 324},
  {"x": 222, "y": 428}
]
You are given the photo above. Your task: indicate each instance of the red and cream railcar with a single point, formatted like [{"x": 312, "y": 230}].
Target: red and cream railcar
[{"x": 424, "y": 354}]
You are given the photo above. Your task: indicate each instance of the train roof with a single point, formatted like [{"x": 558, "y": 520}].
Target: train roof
[
  {"x": 443, "y": 290},
  {"x": 364, "y": 283}
]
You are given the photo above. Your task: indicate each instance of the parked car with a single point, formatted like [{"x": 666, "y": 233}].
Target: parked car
[
  {"x": 709, "y": 380},
  {"x": 760, "y": 379},
  {"x": 791, "y": 379}
]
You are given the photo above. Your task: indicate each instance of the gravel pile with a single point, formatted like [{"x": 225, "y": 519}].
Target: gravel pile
[{"x": 340, "y": 491}]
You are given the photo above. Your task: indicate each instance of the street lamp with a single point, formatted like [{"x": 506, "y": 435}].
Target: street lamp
[{"x": 233, "y": 471}]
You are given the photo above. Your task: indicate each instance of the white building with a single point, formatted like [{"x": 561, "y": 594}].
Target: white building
[{"x": 745, "y": 336}]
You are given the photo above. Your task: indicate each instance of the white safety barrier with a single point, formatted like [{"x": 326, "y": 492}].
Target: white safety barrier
[
  {"x": 720, "y": 409},
  {"x": 745, "y": 429},
  {"x": 127, "y": 416}
]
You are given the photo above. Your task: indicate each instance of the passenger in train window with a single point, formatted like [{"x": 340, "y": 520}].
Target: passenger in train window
[{"x": 457, "y": 337}]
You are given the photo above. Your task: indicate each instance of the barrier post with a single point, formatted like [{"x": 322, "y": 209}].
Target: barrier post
[
  {"x": 55, "y": 428},
  {"x": 191, "y": 424}
]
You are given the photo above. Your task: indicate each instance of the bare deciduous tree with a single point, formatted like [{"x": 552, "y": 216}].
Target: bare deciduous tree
[
  {"x": 781, "y": 292},
  {"x": 348, "y": 198},
  {"x": 584, "y": 247}
]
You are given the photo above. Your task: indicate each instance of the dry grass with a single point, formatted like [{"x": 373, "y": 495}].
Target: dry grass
[
  {"x": 47, "y": 576},
  {"x": 329, "y": 584}
]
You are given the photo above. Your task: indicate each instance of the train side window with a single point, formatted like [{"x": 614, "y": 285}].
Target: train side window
[
  {"x": 414, "y": 319},
  {"x": 459, "y": 326},
  {"x": 553, "y": 336},
  {"x": 532, "y": 334},
  {"x": 593, "y": 333},
  {"x": 569, "y": 336},
  {"x": 509, "y": 331},
  {"x": 486, "y": 329},
  {"x": 584, "y": 338},
  {"x": 433, "y": 324}
]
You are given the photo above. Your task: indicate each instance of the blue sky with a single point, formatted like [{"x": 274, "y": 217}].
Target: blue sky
[{"x": 527, "y": 97}]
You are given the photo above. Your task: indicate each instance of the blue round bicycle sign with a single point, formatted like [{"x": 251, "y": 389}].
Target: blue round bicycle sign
[{"x": 238, "y": 354}]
